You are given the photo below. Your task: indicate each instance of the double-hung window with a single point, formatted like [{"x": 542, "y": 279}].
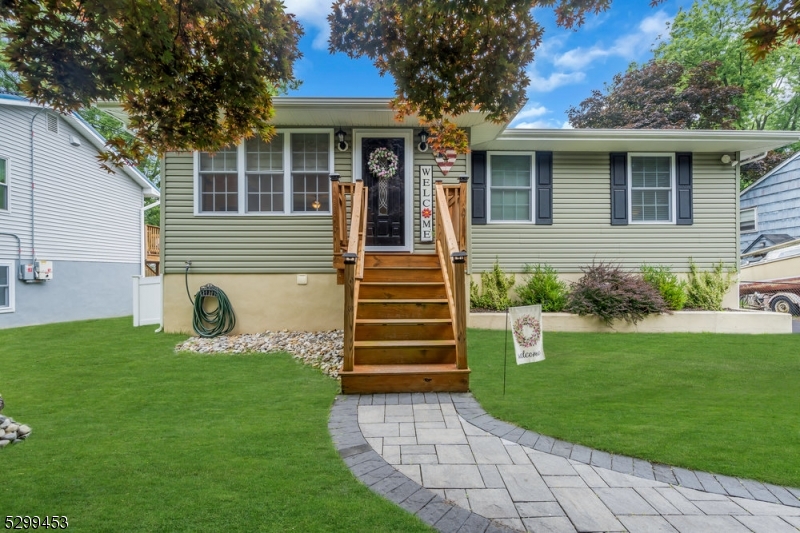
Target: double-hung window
[
  {"x": 290, "y": 174},
  {"x": 3, "y": 184},
  {"x": 510, "y": 187},
  {"x": 747, "y": 220},
  {"x": 6, "y": 287},
  {"x": 652, "y": 179}
]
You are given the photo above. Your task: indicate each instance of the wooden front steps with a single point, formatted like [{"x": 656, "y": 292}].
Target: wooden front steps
[{"x": 404, "y": 338}]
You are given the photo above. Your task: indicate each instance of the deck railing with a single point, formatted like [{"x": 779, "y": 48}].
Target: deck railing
[
  {"x": 152, "y": 241},
  {"x": 451, "y": 239},
  {"x": 348, "y": 247}
]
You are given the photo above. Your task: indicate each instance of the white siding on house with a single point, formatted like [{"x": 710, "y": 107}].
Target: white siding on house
[
  {"x": 582, "y": 233},
  {"x": 81, "y": 212}
]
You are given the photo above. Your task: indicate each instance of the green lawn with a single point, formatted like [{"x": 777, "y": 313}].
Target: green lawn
[
  {"x": 728, "y": 404},
  {"x": 129, "y": 436}
]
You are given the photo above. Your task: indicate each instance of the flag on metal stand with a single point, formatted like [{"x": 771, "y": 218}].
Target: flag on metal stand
[{"x": 526, "y": 328}]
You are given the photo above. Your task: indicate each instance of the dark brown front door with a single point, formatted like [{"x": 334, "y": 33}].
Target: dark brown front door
[{"x": 386, "y": 212}]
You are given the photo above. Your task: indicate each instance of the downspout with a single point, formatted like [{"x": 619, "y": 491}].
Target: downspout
[{"x": 33, "y": 188}]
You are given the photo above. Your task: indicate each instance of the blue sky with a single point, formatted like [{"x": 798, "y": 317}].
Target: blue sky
[{"x": 566, "y": 67}]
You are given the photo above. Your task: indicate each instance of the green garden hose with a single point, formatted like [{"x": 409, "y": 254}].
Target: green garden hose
[{"x": 218, "y": 321}]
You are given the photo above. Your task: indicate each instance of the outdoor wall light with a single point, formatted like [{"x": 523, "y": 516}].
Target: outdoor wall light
[
  {"x": 342, "y": 144},
  {"x": 423, "y": 141},
  {"x": 725, "y": 159}
]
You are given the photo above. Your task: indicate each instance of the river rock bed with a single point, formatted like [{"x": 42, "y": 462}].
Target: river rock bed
[
  {"x": 318, "y": 349},
  {"x": 12, "y": 432}
]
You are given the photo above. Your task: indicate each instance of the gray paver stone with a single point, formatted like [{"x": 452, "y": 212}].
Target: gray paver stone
[
  {"x": 367, "y": 466},
  {"x": 687, "y": 478},
  {"x": 388, "y": 484},
  {"x": 601, "y": 459},
  {"x": 417, "y": 397},
  {"x": 586, "y": 511},
  {"x": 354, "y": 450},
  {"x": 402, "y": 492},
  {"x": 759, "y": 491},
  {"x": 625, "y": 501},
  {"x": 757, "y": 508},
  {"x": 710, "y": 483},
  {"x": 495, "y": 527},
  {"x": 622, "y": 464},
  {"x": 379, "y": 399},
  {"x": 590, "y": 476},
  {"x": 785, "y": 497},
  {"x": 647, "y": 524},
  {"x": 452, "y": 476},
  {"x": 643, "y": 469},
  {"x": 353, "y": 460},
  {"x": 434, "y": 510},
  {"x": 444, "y": 397},
  {"x": 794, "y": 491},
  {"x": 452, "y": 520},
  {"x": 417, "y": 500},
  {"x": 664, "y": 474},
  {"x": 391, "y": 398},
  {"x": 733, "y": 486},
  {"x": 492, "y": 503},
  {"x": 766, "y": 524},
  {"x": 794, "y": 520},
  {"x": 474, "y": 524},
  {"x": 377, "y": 475},
  {"x": 680, "y": 501},
  {"x": 528, "y": 439},
  {"x": 581, "y": 453},
  {"x": 539, "y": 509},
  {"x": 491, "y": 477},
  {"x": 524, "y": 483},
  {"x": 725, "y": 507},
  {"x": 365, "y": 399},
  {"x": 551, "y": 465},
  {"x": 489, "y": 450},
  {"x": 501, "y": 429},
  {"x": 555, "y": 524},
  {"x": 404, "y": 398},
  {"x": 698, "y": 524},
  {"x": 657, "y": 501},
  {"x": 514, "y": 435},
  {"x": 562, "y": 448},
  {"x": 544, "y": 444}
]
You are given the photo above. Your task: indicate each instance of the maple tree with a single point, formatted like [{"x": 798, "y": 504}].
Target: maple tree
[
  {"x": 194, "y": 74},
  {"x": 772, "y": 25},
  {"x": 661, "y": 95}
]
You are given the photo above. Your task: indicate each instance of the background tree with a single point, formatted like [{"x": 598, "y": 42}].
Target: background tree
[
  {"x": 713, "y": 31},
  {"x": 191, "y": 75},
  {"x": 772, "y": 25},
  {"x": 448, "y": 57},
  {"x": 661, "y": 94}
]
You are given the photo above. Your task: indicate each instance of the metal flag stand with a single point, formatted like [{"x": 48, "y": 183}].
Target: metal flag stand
[{"x": 505, "y": 355}]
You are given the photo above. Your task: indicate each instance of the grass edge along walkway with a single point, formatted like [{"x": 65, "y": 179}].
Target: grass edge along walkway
[
  {"x": 129, "y": 435},
  {"x": 725, "y": 404}
]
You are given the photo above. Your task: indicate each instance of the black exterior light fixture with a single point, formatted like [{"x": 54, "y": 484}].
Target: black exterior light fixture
[
  {"x": 342, "y": 144},
  {"x": 423, "y": 140}
]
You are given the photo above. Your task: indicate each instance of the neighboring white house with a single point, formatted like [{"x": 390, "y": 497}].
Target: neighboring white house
[
  {"x": 58, "y": 205},
  {"x": 770, "y": 208}
]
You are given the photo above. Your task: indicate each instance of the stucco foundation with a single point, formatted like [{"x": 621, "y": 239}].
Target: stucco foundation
[
  {"x": 678, "y": 322},
  {"x": 261, "y": 302}
]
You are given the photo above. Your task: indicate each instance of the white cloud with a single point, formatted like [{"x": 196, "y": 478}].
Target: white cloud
[
  {"x": 536, "y": 124},
  {"x": 553, "y": 81},
  {"x": 313, "y": 14},
  {"x": 628, "y": 46},
  {"x": 532, "y": 112}
]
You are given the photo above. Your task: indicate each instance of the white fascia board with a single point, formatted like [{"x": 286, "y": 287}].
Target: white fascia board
[{"x": 748, "y": 142}]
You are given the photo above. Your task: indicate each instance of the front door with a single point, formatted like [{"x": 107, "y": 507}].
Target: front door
[{"x": 386, "y": 216}]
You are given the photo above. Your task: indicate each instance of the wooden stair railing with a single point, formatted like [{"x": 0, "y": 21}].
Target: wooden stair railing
[
  {"x": 353, "y": 261},
  {"x": 451, "y": 216},
  {"x": 152, "y": 250}
]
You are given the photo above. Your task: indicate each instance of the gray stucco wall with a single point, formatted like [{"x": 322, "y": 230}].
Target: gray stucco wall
[{"x": 78, "y": 291}]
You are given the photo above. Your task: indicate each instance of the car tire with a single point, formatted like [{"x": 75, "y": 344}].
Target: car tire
[{"x": 782, "y": 304}]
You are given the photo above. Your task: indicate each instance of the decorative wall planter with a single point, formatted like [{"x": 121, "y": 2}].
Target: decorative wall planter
[{"x": 734, "y": 321}]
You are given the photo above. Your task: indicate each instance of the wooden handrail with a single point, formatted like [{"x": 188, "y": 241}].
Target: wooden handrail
[
  {"x": 353, "y": 256},
  {"x": 152, "y": 240},
  {"x": 451, "y": 248}
]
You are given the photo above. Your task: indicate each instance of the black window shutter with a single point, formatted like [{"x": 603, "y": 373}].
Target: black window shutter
[
  {"x": 619, "y": 189},
  {"x": 479, "y": 188},
  {"x": 544, "y": 188},
  {"x": 685, "y": 215}
]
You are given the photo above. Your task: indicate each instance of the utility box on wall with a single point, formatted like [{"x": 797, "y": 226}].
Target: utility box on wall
[
  {"x": 26, "y": 272},
  {"x": 43, "y": 270}
]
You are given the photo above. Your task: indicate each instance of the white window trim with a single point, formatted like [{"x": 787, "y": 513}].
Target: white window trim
[
  {"x": 489, "y": 220},
  {"x": 7, "y": 184},
  {"x": 287, "y": 180},
  {"x": 408, "y": 136},
  {"x": 755, "y": 220},
  {"x": 12, "y": 280},
  {"x": 673, "y": 188}
]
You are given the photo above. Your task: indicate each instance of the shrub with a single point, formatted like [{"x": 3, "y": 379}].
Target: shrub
[
  {"x": 672, "y": 289},
  {"x": 610, "y": 293},
  {"x": 707, "y": 289},
  {"x": 543, "y": 287},
  {"x": 493, "y": 292}
]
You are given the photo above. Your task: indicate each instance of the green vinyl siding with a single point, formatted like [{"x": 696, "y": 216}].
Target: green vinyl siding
[{"x": 581, "y": 232}]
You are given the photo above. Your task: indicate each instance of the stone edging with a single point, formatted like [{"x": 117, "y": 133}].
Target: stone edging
[
  {"x": 372, "y": 470},
  {"x": 470, "y": 410}
]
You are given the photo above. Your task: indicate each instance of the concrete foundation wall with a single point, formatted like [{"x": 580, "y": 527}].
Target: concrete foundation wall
[
  {"x": 260, "y": 302},
  {"x": 78, "y": 291}
]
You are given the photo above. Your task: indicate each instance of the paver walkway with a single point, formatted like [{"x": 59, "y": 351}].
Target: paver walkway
[{"x": 442, "y": 457}]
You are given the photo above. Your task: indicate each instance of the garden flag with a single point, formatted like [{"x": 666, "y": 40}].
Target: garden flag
[{"x": 526, "y": 326}]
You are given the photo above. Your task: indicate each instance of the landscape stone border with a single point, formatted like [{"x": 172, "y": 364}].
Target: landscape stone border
[{"x": 372, "y": 470}]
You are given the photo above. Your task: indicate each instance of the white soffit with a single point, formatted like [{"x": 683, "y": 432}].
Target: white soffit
[{"x": 749, "y": 143}]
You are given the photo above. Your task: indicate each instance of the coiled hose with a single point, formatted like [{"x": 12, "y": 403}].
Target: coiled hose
[{"x": 218, "y": 321}]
